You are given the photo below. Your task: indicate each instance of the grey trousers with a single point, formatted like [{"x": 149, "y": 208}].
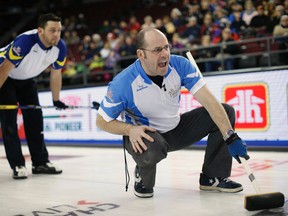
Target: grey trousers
[{"x": 193, "y": 126}]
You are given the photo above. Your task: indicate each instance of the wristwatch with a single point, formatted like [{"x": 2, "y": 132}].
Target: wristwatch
[{"x": 228, "y": 134}]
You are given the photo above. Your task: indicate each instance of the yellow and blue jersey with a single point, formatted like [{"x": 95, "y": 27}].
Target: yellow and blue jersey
[{"x": 30, "y": 57}]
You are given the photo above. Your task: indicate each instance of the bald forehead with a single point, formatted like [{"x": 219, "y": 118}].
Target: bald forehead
[{"x": 154, "y": 37}]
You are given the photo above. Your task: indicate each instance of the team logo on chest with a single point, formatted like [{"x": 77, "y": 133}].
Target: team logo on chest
[{"x": 174, "y": 92}]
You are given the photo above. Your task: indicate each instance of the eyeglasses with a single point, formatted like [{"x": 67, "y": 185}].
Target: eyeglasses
[{"x": 158, "y": 50}]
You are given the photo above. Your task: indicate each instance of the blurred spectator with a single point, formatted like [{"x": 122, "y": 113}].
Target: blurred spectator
[
  {"x": 105, "y": 28},
  {"x": 96, "y": 38},
  {"x": 184, "y": 9},
  {"x": 67, "y": 37},
  {"x": 75, "y": 39},
  {"x": 91, "y": 51},
  {"x": 112, "y": 40},
  {"x": 159, "y": 25},
  {"x": 104, "y": 52},
  {"x": 207, "y": 50},
  {"x": 177, "y": 42},
  {"x": 235, "y": 8},
  {"x": 81, "y": 24},
  {"x": 219, "y": 14},
  {"x": 228, "y": 49},
  {"x": 224, "y": 23},
  {"x": 204, "y": 9},
  {"x": 176, "y": 17},
  {"x": 194, "y": 11},
  {"x": 69, "y": 70},
  {"x": 249, "y": 12},
  {"x": 96, "y": 65},
  {"x": 84, "y": 46},
  {"x": 169, "y": 26},
  {"x": 281, "y": 29},
  {"x": 260, "y": 21},
  {"x": 148, "y": 22},
  {"x": 192, "y": 31},
  {"x": 127, "y": 49},
  {"x": 123, "y": 26},
  {"x": 238, "y": 25},
  {"x": 133, "y": 24},
  {"x": 285, "y": 7},
  {"x": 280, "y": 34},
  {"x": 275, "y": 18},
  {"x": 111, "y": 61},
  {"x": 208, "y": 27}
]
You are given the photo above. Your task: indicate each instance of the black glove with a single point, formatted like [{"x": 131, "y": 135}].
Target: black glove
[
  {"x": 237, "y": 147},
  {"x": 59, "y": 105},
  {"x": 95, "y": 105}
]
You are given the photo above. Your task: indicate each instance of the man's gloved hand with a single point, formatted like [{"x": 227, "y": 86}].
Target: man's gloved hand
[
  {"x": 95, "y": 105},
  {"x": 59, "y": 105},
  {"x": 237, "y": 147}
]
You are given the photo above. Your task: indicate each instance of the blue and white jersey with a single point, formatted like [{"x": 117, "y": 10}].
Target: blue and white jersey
[
  {"x": 30, "y": 57},
  {"x": 139, "y": 101}
]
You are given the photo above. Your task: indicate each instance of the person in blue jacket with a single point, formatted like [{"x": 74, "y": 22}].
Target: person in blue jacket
[
  {"x": 146, "y": 95},
  {"x": 20, "y": 62}
]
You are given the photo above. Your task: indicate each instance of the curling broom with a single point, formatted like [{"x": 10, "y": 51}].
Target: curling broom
[{"x": 260, "y": 201}]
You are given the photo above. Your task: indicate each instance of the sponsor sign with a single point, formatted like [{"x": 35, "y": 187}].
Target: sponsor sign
[{"x": 260, "y": 100}]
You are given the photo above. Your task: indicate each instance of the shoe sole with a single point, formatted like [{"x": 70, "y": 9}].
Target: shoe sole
[
  {"x": 50, "y": 173},
  {"x": 22, "y": 177},
  {"x": 141, "y": 195},
  {"x": 226, "y": 190}
]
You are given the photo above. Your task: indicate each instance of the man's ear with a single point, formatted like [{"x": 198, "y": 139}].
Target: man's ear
[
  {"x": 140, "y": 54},
  {"x": 40, "y": 30}
]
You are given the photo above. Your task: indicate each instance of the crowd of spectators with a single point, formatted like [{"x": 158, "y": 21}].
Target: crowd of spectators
[{"x": 194, "y": 23}]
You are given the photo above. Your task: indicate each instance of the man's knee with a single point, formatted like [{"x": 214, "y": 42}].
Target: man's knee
[{"x": 156, "y": 151}]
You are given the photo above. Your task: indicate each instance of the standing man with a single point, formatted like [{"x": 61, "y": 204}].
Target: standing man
[
  {"x": 20, "y": 62},
  {"x": 147, "y": 96}
]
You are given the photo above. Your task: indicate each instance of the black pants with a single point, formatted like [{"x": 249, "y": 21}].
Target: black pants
[
  {"x": 23, "y": 92},
  {"x": 194, "y": 125}
]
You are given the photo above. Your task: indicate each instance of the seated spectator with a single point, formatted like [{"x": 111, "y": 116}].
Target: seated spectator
[
  {"x": 249, "y": 12},
  {"x": 85, "y": 46},
  {"x": 208, "y": 27},
  {"x": 280, "y": 34},
  {"x": 204, "y": 9},
  {"x": 192, "y": 31},
  {"x": 127, "y": 49},
  {"x": 148, "y": 22},
  {"x": 207, "y": 50},
  {"x": 260, "y": 21},
  {"x": 160, "y": 25},
  {"x": 224, "y": 23},
  {"x": 238, "y": 25},
  {"x": 111, "y": 61},
  {"x": 177, "y": 42},
  {"x": 177, "y": 18},
  {"x": 227, "y": 49},
  {"x": 169, "y": 26},
  {"x": 133, "y": 24},
  {"x": 275, "y": 18},
  {"x": 235, "y": 7},
  {"x": 69, "y": 70},
  {"x": 95, "y": 65}
]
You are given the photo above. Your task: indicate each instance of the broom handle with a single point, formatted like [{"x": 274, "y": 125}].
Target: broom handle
[
  {"x": 250, "y": 175},
  {"x": 10, "y": 107}
]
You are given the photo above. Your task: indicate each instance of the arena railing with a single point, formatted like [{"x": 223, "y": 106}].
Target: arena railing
[{"x": 254, "y": 53}]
